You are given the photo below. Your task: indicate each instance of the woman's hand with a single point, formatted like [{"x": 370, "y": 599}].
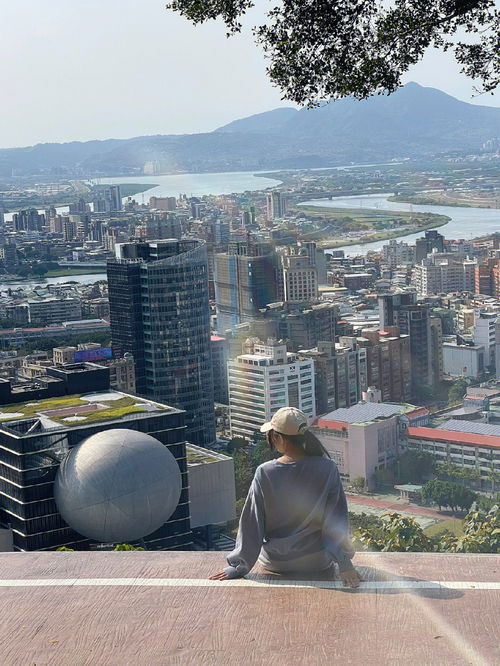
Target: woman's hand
[
  {"x": 220, "y": 575},
  {"x": 350, "y": 578}
]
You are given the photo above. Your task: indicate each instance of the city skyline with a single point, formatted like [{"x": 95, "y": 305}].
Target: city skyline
[{"x": 103, "y": 71}]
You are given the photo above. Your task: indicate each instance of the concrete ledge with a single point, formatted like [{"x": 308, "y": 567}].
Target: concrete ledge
[{"x": 159, "y": 608}]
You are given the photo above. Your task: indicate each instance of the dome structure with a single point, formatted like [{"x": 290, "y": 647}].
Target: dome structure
[{"x": 118, "y": 485}]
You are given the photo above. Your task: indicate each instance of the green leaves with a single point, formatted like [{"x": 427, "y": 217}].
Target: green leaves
[{"x": 319, "y": 50}]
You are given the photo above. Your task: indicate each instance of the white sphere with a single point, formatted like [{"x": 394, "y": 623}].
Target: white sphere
[{"x": 118, "y": 485}]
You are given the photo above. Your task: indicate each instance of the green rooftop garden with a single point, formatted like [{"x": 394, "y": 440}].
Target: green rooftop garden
[{"x": 106, "y": 411}]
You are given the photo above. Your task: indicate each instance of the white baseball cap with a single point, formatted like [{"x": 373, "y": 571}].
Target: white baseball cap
[{"x": 288, "y": 421}]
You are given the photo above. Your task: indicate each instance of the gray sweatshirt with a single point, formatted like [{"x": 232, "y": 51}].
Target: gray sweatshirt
[{"x": 294, "y": 519}]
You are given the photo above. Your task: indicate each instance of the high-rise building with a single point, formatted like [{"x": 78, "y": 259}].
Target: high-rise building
[
  {"x": 397, "y": 253},
  {"x": 432, "y": 240},
  {"x": 158, "y": 296},
  {"x": 484, "y": 334},
  {"x": 108, "y": 200},
  {"x": 300, "y": 274},
  {"x": 220, "y": 348},
  {"x": 263, "y": 380},
  {"x": 300, "y": 325},
  {"x": 413, "y": 319},
  {"x": 276, "y": 205},
  {"x": 388, "y": 362},
  {"x": 28, "y": 220},
  {"x": 443, "y": 274},
  {"x": 246, "y": 279}
]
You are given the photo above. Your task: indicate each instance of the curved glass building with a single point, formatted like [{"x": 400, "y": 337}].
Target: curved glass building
[{"x": 159, "y": 308}]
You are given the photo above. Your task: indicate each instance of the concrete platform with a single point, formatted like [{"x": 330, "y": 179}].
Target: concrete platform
[{"x": 159, "y": 608}]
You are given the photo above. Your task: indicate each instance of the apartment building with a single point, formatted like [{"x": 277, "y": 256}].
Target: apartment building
[{"x": 264, "y": 379}]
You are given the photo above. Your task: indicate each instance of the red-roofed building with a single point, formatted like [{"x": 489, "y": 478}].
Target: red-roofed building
[{"x": 470, "y": 450}]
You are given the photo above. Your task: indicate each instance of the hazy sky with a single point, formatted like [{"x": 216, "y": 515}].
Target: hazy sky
[{"x": 86, "y": 69}]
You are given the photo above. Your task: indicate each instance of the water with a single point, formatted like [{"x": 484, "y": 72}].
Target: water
[
  {"x": 465, "y": 222},
  {"x": 197, "y": 184},
  {"x": 31, "y": 284}
]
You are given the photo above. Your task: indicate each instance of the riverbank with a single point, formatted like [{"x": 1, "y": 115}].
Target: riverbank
[
  {"x": 444, "y": 199},
  {"x": 68, "y": 272},
  {"x": 397, "y": 224}
]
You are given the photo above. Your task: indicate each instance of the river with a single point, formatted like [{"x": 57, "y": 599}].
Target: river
[
  {"x": 464, "y": 223},
  {"x": 197, "y": 184}
]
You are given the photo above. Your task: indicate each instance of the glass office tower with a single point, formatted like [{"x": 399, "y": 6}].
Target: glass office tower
[{"x": 158, "y": 295}]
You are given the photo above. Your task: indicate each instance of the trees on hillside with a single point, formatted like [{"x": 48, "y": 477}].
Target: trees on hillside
[{"x": 320, "y": 50}]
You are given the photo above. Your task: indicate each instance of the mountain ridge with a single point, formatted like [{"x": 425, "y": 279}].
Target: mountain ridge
[{"x": 412, "y": 122}]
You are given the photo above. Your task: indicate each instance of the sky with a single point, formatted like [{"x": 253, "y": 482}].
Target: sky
[{"x": 96, "y": 69}]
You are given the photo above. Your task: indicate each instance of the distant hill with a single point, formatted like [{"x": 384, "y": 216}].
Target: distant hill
[{"x": 412, "y": 122}]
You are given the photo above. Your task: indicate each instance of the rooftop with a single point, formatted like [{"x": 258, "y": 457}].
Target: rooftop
[
  {"x": 77, "y": 410},
  {"x": 442, "y": 435},
  {"x": 472, "y": 426},
  {"x": 197, "y": 455},
  {"x": 159, "y": 608},
  {"x": 365, "y": 412}
]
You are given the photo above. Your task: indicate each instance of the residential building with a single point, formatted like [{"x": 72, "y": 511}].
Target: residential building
[
  {"x": 300, "y": 274},
  {"x": 397, "y": 253},
  {"x": 432, "y": 240},
  {"x": 484, "y": 334},
  {"x": 264, "y": 379},
  {"x": 444, "y": 273},
  {"x": 158, "y": 295},
  {"x": 388, "y": 362},
  {"x": 276, "y": 205},
  {"x": 28, "y": 220},
  {"x": 413, "y": 319}
]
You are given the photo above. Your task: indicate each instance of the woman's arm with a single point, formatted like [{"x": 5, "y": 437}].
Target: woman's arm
[
  {"x": 250, "y": 535},
  {"x": 336, "y": 525}
]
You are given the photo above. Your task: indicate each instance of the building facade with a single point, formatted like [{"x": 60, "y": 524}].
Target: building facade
[
  {"x": 158, "y": 294},
  {"x": 265, "y": 379},
  {"x": 246, "y": 278}
]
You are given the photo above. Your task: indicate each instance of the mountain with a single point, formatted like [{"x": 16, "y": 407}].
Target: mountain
[{"x": 412, "y": 122}]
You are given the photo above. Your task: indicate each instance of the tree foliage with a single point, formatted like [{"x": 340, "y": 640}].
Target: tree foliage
[
  {"x": 457, "y": 391},
  {"x": 320, "y": 50},
  {"x": 446, "y": 493},
  {"x": 396, "y": 533},
  {"x": 481, "y": 534},
  {"x": 415, "y": 466}
]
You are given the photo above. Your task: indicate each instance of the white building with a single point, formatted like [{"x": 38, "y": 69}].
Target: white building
[
  {"x": 442, "y": 273},
  {"x": 300, "y": 273},
  {"x": 264, "y": 379},
  {"x": 398, "y": 253},
  {"x": 484, "y": 334},
  {"x": 463, "y": 360},
  {"x": 212, "y": 495}
]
